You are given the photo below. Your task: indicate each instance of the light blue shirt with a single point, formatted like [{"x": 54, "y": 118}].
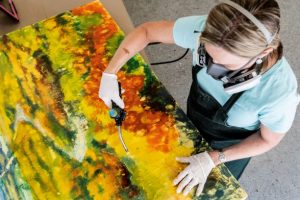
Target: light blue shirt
[{"x": 273, "y": 102}]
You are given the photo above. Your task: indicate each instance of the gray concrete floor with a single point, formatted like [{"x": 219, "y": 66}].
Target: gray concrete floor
[{"x": 273, "y": 175}]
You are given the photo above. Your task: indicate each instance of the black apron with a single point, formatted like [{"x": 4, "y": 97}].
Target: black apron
[{"x": 210, "y": 118}]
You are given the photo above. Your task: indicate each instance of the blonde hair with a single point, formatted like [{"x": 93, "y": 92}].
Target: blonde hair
[{"x": 228, "y": 28}]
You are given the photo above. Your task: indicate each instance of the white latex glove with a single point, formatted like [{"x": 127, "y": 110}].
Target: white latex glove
[
  {"x": 109, "y": 90},
  {"x": 196, "y": 173}
]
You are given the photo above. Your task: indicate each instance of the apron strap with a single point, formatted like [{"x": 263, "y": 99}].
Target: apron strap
[
  {"x": 195, "y": 70},
  {"x": 221, "y": 114},
  {"x": 231, "y": 101}
]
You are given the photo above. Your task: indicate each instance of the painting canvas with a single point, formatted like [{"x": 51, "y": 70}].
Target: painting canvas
[{"x": 57, "y": 140}]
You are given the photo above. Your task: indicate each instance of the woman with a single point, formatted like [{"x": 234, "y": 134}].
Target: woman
[{"x": 243, "y": 97}]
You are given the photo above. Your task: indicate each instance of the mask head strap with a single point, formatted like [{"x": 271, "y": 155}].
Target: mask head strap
[{"x": 268, "y": 36}]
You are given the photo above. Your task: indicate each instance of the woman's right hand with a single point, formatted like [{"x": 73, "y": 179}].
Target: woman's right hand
[
  {"x": 134, "y": 42},
  {"x": 109, "y": 90}
]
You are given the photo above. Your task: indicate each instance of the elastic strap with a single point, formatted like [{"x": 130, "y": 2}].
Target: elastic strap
[{"x": 268, "y": 36}]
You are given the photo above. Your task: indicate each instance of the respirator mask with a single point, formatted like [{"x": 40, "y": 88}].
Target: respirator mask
[{"x": 234, "y": 81}]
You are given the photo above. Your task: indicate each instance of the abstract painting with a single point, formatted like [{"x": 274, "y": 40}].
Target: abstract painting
[{"x": 57, "y": 139}]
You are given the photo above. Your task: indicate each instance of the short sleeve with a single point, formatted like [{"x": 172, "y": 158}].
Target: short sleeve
[
  {"x": 186, "y": 30},
  {"x": 280, "y": 117}
]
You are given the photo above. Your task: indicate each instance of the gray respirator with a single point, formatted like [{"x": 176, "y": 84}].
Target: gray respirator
[{"x": 233, "y": 81}]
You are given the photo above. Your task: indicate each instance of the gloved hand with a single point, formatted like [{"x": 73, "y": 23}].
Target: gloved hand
[
  {"x": 196, "y": 173},
  {"x": 109, "y": 90}
]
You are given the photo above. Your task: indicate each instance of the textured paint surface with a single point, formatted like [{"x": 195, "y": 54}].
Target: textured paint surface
[{"x": 57, "y": 140}]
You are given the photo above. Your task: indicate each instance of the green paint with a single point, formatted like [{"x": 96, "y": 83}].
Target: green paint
[
  {"x": 113, "y": 44},
  {"x": 90, "y": 160},
  {"x": 12, "y": 181},
  {"x": 225, "y": 171},
  {"x": 219, "y": 193},
  {"x": 156, "y": 94},
  {"x": 86, "y": 74},
  {"x": 82, "y": 183},
  {"x": 74, "y": 88},
  {"x": 190, "y": 130},
  {"x": 129, "y": 163},
  {"x": 5, "y": 65},
  {"x": 58, "y": 53},
  {"x": 132, "y": 65},
  {"x": 36, "y": 177},
  {"x": 100, "y": 189},
  {"x": 132, "y": 193},
  {"x": 61, "y": 131},
  {"x": 42, "y": 164},
  {"x": 22, "y": 38},
  {"x": 157, "y": 97},
  {"x": 43, "y": 58},
  {"x": 34, "y": 107},
  {"x": 61, "y": 20},
  {"x": 10, "y": 112},
  {"x": 51, "y": 144},
  {"x": 90, "y": 133},
  {"x": 149, "y": 76},
  {"x": 43, "y": 38},
  {"x": 102, "y": 146},
  {"x": 98, "y": 171},
  {"x": 99, "y": 145},
  {"x": 83, "y": 24}
]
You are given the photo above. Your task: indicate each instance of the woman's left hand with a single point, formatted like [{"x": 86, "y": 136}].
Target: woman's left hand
[{"x": 196, "y": 173}]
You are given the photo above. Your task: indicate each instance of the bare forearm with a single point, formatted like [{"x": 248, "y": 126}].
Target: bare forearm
[
  {"x": 138, "y": 39},
  {"x": 132, "y": 44},
  {"x": 252, "y": 146}
]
